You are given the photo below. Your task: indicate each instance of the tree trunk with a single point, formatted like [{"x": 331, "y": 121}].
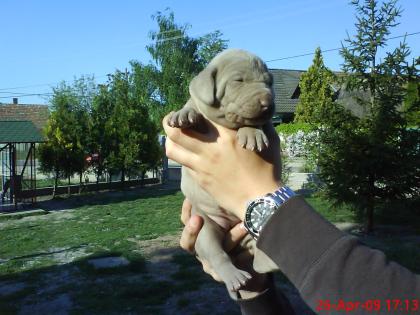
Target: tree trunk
[
  {"x": 98, "y": 174},
  {"x": 68, "y": 185},
  {"x": 370, "y": 205},
  {"x": 97, "y": 178},
  {"x": 142, "y": 178},
  {"x": 80, "y": 182},
  {"x": 123, "y": 178},
  {"x": 369, "y": 219},
  {"x": 55, "y": 184}
]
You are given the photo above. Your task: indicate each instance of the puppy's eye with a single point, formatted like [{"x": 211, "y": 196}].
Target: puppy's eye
[{"x": 239, "y": 80}]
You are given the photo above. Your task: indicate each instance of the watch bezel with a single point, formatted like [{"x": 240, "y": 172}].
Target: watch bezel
[{"x": 248, "y": 214}]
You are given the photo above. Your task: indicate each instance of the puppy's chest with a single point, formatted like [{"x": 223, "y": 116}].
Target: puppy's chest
[{"x": 203, "y": 203}]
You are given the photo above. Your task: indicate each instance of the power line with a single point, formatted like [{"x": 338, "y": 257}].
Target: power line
[
  {"x": 26, "y": 86},
  {"x": 333, "y": 49},
  {"x": 45, "y": 84},
  {"x": 25, "y": 95},
  {"x": 176, "y": 37},
  {"x": 17, "y": 93}
]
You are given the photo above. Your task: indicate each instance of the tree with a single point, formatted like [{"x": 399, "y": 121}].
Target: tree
[
  {"x": 62, "y": 152},
  {"x": 411, "y": 106},
  {"x": 85, "y": 91},
  {"x": 146, "y": 105},
  {"x": 119, "y": 126},
  {"x": 128, "y": 142},
  {"x": 145, "y": 89},
  {"x": 371, "y": 160},
  {"x": 99, "y": 139},
  {"x": 316, "y": 92},
  {"x": 67, "y": 130},
  {"x": 177, "y": 58},
  {"x": 51, "y": 155}
]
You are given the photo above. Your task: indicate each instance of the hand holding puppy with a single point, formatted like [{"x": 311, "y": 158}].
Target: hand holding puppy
[
  {"x": 231, "y": 174},
  {"x": 193, "y": 224}
]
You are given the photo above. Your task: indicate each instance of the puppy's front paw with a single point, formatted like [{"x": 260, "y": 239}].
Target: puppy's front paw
[
  {"x": 252, "y": 138},
  {"x": 184, "y": 118}
]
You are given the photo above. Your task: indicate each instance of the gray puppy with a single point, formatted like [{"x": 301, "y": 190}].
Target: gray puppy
[{"x": 235, "y": 91}]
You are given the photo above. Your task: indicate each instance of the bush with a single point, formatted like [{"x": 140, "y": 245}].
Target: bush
[
  {"x": 292, "y": 128},
  {"x": 296, "y": 138}
]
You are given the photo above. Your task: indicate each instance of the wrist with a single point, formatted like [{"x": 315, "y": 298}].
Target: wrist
[
  {"x": 256, "y": 192},
  {"x": 260, "y": 209}
]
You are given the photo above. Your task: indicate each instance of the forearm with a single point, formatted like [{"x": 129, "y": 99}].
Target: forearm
[{"x": 325, "y": 263}]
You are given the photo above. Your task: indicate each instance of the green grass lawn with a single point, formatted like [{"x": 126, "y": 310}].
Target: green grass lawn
[
  {"x": 49, "y": 253},
  {"x": 97, "y": 223},
  {"x": 332, "y": 214}
]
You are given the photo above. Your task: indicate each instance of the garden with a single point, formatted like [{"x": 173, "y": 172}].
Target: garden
[{"x": 117, "y": 253}]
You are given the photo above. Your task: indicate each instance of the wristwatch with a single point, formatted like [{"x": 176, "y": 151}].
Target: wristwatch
[{"x": 260, "y": 210}]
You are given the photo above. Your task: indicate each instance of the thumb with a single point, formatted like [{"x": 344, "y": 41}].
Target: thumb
[{"x": 234, "y": 237}]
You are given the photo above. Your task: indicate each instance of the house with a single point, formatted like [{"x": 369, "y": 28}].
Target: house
[
  {"x": 37, "y": 114},
  {"x": 287, "y": 93}
]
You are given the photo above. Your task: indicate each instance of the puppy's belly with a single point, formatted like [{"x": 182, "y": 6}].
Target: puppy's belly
[{"x": 203, "y": 203}]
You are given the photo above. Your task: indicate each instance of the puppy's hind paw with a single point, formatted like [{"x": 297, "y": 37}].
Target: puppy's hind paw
[{"x": 237, "y": 280}]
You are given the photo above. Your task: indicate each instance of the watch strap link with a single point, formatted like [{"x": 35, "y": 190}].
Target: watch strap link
[{"x": 282, "y": 194}]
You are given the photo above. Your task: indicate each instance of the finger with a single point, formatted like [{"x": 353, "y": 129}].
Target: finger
[
  {"x": 234, "y": 237},
  {"x": 188, "y": 139},
  {"x": 186, "y": 211},
  {"x": 190, "y": 232},
  {"x": 180, "y": 154}
]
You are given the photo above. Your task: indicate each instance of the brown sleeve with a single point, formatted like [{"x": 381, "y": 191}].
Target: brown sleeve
[{"x": 326, "y": 264}]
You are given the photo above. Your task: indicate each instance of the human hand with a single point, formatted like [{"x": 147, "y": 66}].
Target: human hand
[
  {"x": 230, "y": 173},
  {"x": 193, "y": 224}
]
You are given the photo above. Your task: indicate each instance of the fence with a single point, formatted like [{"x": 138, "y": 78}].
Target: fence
[{"x": 88, "y": 187}]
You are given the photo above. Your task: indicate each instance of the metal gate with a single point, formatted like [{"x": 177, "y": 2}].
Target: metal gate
[{"x": 17, "y": 175}]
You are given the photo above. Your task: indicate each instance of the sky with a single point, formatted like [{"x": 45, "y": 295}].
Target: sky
[{"x": 45, "y": 42}]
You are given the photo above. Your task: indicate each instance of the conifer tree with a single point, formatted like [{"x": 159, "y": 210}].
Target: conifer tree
[
  {"x": 372, "y": 160},
  {"x": 316, "y": 92}
]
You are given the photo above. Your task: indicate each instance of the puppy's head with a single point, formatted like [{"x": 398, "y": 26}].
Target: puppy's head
[{"x": 235, "y": 89}]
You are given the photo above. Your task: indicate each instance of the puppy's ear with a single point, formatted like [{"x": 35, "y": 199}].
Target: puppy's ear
[{"x": 203, "y": 86}]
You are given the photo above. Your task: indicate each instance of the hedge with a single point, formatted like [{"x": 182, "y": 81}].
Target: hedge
[{"x": 292, "y": 128}]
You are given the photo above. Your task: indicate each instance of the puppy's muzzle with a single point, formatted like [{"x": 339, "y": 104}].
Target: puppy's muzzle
[{"x": 265, "y": 101}]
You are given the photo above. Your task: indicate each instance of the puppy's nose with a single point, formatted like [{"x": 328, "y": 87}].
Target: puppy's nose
[{"x": 265, "y": 101}]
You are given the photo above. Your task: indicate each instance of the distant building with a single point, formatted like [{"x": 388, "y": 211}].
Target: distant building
[
  {"x": 287, "y": 94},
  {"x": 37, "y": 114}
]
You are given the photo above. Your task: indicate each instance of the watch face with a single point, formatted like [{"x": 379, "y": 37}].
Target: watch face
[{"x": 260, "y": 212}]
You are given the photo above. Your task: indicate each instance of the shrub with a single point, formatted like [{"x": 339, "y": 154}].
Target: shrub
[
  {"x": 292, "y": 128},
  {"x": 296, "y": 138}
]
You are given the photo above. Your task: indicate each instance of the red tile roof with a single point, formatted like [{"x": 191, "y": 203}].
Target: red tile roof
[{"x": 38, "y": 114}]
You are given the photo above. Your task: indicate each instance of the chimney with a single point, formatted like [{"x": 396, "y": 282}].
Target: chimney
[{"x": 15, "y": 100}]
